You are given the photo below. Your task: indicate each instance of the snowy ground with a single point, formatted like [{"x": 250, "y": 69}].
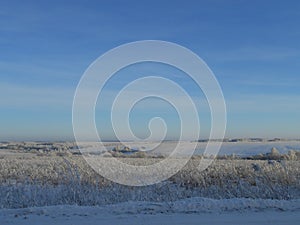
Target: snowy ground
[
  {"x": 189, "y": 211},
  {"x": 38, "y": 180},
  {"x": 227, "y": 148}
]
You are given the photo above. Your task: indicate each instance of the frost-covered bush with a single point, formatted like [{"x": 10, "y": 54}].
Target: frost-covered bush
[
  {"x": 275, "y": 155},
  {"x": 31, "y": 180}
]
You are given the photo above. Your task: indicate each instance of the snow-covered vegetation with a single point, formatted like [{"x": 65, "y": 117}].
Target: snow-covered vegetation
[{"x": 60, "y": 178}]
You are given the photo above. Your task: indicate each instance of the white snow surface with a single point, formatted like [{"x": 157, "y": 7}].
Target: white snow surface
[
  {"x": 227, "y": 148},
  {"x": 187, "y": 211}
]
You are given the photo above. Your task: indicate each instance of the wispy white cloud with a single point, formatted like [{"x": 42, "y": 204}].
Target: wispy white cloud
[
  {"x": 259, "y": 103},
  {"x": 267, "y": 82},
  {"x": 37, "y": 68},
  {"x": 255, "y": 54},
  {"x": 23, "y": 97}
]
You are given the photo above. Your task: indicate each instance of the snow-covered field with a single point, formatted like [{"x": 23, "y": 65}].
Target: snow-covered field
[
  {"x": 228, "y": 148},
  {"x": 238, "y": 148},
  {"x": 59, "y": 188},
  {"x": 253, "y": 148},
  {"x": 188, "y": 211}
]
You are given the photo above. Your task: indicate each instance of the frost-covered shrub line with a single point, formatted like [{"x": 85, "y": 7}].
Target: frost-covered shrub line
[{"x": 56, "y": 180}]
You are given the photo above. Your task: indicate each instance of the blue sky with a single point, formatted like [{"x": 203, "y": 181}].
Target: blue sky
[{"x": 252, "y": 47}]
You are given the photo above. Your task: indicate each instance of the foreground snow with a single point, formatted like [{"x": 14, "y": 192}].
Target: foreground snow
[{"x": 188, "y": 211}]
